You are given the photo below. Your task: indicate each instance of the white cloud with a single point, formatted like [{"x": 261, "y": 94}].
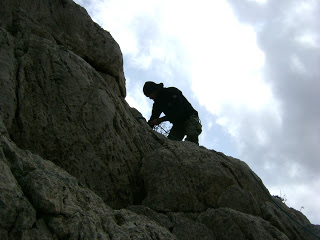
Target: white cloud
[
  {"x": 260, "y": 1},
  {"x": 136, "y": 98},
  {"x": 289, "y": 39}
]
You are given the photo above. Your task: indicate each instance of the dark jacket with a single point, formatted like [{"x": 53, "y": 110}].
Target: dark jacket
[{"x": 173, "y": 104}]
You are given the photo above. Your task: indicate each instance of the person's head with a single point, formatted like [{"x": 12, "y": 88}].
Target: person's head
[{"x": 151, "y": 89}]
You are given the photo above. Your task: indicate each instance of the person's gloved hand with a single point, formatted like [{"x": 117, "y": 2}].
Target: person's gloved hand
[{"x": 155, "y": 122}]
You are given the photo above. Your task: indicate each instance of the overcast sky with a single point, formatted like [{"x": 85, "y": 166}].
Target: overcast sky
[{"x": 250, "y": 67}]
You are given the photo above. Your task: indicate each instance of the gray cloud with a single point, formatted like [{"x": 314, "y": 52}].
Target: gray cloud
[{"x": 289, "y": 36}]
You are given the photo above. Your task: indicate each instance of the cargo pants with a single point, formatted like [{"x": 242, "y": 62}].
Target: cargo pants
[{"x": 190, "y": 127}]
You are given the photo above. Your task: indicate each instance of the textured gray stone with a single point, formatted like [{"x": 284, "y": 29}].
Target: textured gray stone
[
  {"x": 184, "y": 177},
  {"x": 230, "y": 224},
  {"x": 32, "y": 188},
  {"x": 186, "y": 227},
  {"x": 69, "y": 25},
  {"x": 58, "y": 104},
  {"x": 17, "y": 214}
]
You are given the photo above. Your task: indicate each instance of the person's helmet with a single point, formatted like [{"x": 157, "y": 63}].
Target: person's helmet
[{"x": 149, "y": 87}]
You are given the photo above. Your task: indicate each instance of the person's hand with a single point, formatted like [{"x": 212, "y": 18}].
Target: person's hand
[{"x": 155, "y": 122}]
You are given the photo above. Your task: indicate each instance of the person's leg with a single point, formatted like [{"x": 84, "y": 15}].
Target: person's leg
[
  {"x": 193, "y": 129},
  {"x": 177, "y": 132}
]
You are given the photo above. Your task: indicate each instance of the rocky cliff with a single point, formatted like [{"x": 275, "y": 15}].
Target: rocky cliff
[{"x": 77, "y": 164}]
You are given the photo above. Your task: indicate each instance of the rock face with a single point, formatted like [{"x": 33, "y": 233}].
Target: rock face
[
  {"x": 77, "y": 164},
  {"x": 66, "y": 106},
  {"x": 41, "y": 201}
]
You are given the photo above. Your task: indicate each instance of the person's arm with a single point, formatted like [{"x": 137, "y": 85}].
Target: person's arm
[
  {"x": 157, "y": 121},
  {"x": 155, "y": 115}
]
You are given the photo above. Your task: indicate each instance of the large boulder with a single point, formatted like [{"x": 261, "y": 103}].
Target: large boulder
[
  {"x": 58, "y": 104},
  {"x": 185, "y": 177},
  {"x": 67, "y": 24},
  {"x": 41, "y": 201}
]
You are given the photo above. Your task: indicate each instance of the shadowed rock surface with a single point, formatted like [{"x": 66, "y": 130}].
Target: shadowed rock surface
[{"x": 77, "y": 164}]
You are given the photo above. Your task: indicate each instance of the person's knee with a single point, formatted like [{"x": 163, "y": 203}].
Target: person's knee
[{"x": 193, "y": 130}]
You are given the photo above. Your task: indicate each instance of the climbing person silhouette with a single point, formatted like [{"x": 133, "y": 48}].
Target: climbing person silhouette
[{"x": 177, "y": 110}]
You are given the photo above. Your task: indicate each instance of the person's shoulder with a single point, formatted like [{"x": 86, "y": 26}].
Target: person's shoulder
[{"x": 173, "y": 90}]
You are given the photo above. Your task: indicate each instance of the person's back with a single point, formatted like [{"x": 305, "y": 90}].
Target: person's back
[{"x": 174, "y": 105}]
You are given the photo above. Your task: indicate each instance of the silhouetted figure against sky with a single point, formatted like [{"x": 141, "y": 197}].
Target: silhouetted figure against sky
[{"x": 177, "y": 110}]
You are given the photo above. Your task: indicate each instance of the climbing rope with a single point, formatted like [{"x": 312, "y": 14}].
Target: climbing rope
[
  {"x": 158, "y": 128},
  {"x": 283, "y": 210},
  {"x": 161, "y": 130},
  {"x": 164, "y": 132}
]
